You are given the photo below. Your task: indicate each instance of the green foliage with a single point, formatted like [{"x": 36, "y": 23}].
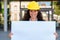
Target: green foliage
[{"x": 56, "y": 8}]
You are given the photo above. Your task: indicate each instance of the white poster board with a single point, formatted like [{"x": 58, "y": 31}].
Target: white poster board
[{"x": 33, "y": 30}]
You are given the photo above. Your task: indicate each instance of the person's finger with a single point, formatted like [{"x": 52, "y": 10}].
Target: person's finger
[
  {"x": 56, "y": 35},
  {"x": 10, "y": 35}
]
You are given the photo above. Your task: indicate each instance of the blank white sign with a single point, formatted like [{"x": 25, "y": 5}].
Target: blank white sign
[{"x": 33, "y": 30}]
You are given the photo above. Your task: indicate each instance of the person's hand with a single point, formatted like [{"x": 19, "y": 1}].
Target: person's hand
[
  {"x": 56, "y": 34},
  {"x": 10, "y": 35}
]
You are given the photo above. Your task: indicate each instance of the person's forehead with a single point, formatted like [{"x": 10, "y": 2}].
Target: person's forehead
[{"x": 33, "y": 10}]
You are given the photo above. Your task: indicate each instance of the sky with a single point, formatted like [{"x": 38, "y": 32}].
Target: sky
[{"x": 47, "y": 3}]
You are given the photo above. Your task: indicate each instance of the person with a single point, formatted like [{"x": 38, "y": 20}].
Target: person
[{"x": 33, "y": 14}]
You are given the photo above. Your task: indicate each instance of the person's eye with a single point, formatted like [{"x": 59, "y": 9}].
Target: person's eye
[
  {"x": 30, "y": 10},
  {"x": 35, "y": 11}
]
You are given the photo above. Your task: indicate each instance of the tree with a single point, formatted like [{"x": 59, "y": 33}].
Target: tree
[
  {"x": 58, "y": 4},
  {"x": 56, "y": 8},
  {"x": 0, "y": 7}
]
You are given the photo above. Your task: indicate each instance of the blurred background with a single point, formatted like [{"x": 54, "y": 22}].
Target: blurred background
[{"x": 14, "y": 10}]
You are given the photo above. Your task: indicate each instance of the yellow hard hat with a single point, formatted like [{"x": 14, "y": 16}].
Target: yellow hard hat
[{"x": 33, "y": 6}]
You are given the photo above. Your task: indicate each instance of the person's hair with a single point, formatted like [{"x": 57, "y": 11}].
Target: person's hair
[{"x": 27, "y": 16}]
